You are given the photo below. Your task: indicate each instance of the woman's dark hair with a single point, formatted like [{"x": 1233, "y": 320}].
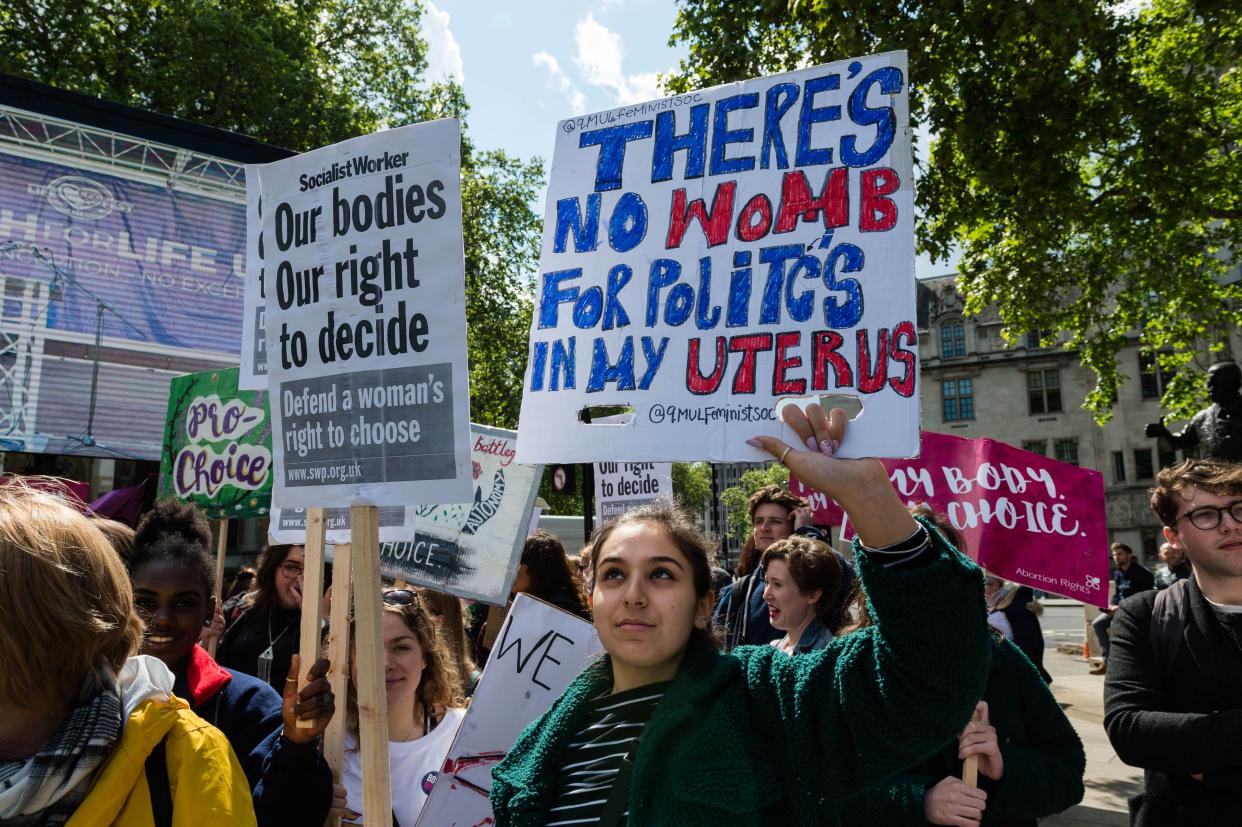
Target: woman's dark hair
[
  {"x": 243, "y": 581},
  {"x": 690, "y": 541},
  {"x": 552, "y": 577},
  {"x": 812, "y": 565},
  {"x": 263, "y": 599},
  {"x": 178, "y": 531}
]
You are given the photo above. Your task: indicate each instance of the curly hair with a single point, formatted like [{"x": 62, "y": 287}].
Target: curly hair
[
  {"x": 177, "y": 531},
  {"x": 774, "y": 494},
  {"x": 1212, "y": 475},
  {"x": 812, "y": 565},
  {"x": 551, "y": 574}
]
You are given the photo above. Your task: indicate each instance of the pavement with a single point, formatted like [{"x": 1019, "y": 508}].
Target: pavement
[{"x": 1108, "y": 782}]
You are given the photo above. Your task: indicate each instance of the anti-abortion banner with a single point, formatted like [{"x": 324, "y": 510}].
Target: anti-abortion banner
[
  {"x": 539, "y": 651},
  {"x": 707, "y": 254},
  {"x": 287, "y": 526},
  {"x": 824, "y": 508},
  {"x": 1023, "y": 517},
  {"x": 253, "y": 374},
  {"x": 621, "y": 486},
  {"x": 472, "y": 549},
  {"x": 217, "y": 446},
  {"x": 366, "y": 320}
]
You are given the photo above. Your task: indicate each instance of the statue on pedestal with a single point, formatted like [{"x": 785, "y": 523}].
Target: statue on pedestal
[{"x": 1217, "y": 429}]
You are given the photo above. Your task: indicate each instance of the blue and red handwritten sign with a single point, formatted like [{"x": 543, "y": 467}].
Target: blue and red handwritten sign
[{"x": 707, "y": 254}]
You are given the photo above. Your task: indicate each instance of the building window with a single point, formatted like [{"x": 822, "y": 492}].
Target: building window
[
  {"x": 1036, "y": 446},
  {"x": 952, "y": 339},
  {"x": 1044, "y": 391},
  {"x": 1119, "y": 466},
  {"x": 1033, "y": 338},
  {"x": 1149, "y": 539},
  {"x": 959, "y": 399},
  {"x": 1066, "y": 450},
  {"x": 1153, "y": 379},
  {"x": 1142, "y": 464}
]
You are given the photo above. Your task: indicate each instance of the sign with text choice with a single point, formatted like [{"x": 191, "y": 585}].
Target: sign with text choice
[
  {"x": 708, "y": 254},
  {"x": 366, "y": 320}
]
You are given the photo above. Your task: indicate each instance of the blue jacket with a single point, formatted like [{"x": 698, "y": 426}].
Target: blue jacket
[{"x": 291, "y": 782}]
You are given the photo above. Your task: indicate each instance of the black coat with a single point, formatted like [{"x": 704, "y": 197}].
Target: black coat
[{"x": 1178, "y": 720}]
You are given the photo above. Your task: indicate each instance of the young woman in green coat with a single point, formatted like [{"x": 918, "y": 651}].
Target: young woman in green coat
[{"x": 667, "y": 730}]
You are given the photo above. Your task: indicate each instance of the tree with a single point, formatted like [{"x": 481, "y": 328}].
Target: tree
[
  {"x": 302, "y": 75},
  {"x": 735, "y": 496},
  {"x": 1086, "y": 161},
  {"x": 692, "y": 485}
]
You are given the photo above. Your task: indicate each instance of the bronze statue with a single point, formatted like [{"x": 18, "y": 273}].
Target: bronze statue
[{"x": 1218, "y": 427}]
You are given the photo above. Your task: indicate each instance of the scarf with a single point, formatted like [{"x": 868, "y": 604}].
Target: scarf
[{"x": 46, "y": 789}]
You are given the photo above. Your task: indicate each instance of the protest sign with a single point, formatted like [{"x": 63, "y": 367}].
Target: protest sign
[
  {"x": 539, "y": 651},
  {"x": 1022, "y": 516},
  {"x": 707, "y": 254},
  {"x": 217, "y": 449},
  {"x": 253, "y": 374},
  {"x": 824, "y": 509},
  {"x": 287, "y": 526},
  {"x": 366, "y": 322},
  {"x": 472, "y": 549},
  {"x": 620, "y": 486}
]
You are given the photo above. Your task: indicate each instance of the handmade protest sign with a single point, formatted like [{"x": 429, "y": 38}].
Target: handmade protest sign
[
  {"x": 472, "y": 549},
  {"x": 253, "y": 374},
  {"x": 824, "y": 509},
  {"x": 621, "y": 486},
  {"x": 707, "y": 254},
  {"x": 287, "y": 526},
  {"x": 365, "y": 321},
  {"x": 217, "y": 449},
  {"x": 539, "y": 650},
  {"x": 1022, "y": 516}
]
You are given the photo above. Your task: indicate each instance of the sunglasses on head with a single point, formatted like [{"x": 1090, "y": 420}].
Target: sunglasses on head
[{"x": 400, "y": 597}]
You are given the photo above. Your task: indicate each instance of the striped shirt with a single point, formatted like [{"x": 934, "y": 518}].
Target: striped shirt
[{"x": 613, "y": 726}]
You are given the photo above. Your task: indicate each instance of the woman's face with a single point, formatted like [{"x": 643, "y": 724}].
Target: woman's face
[
  {"x": 289, "y": 579},
  {"x": 403, "y": 662},
  {"x": 174, "y": 606},
  {"x": 788, "y": 607},
  {"x": 644, "y": 602}
]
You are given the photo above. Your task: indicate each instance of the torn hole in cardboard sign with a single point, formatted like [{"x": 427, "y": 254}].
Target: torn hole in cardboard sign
[
  {"x": 852, "y": 405},
  {"x": 606, "y": 415}
]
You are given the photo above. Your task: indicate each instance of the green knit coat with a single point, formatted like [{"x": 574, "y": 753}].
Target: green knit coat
[
  {"x": 1043, "y": 757},
  {"x": 757, "y": 737}
]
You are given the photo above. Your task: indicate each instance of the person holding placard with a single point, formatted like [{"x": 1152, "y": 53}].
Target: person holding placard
[
  {"x": 262, "y": 640},
  {"x": 172, "y": 567},
  {"x": 665, "y": 729},
  {"x": 91, "y": 734},
  {"x": 802, "y": 575},
  {"x": 425, "y": 708}
]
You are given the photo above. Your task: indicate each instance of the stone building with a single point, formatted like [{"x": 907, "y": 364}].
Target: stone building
[{"x": 973, "y": 385}]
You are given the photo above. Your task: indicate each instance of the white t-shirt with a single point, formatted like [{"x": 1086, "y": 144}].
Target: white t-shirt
[
  {"x": 997, "y": 620},
  {"x": 413, "y": 766}
]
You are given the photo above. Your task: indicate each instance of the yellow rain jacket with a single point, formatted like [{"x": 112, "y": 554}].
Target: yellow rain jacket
[{"x": 205, "y": 779}]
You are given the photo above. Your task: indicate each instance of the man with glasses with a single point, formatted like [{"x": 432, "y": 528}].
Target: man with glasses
[
  {"x": 1173, "y": 695},
  {"x": 1129, "y": 578}
]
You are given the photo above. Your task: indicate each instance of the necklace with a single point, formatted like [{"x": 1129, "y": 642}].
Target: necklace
[{"x": 267, "y": 655}]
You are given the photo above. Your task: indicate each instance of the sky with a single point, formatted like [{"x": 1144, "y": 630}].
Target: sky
[{"x": 526, "y": 67}]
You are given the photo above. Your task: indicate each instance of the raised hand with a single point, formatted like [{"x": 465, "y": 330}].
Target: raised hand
[{"x": 313, "y": 703}]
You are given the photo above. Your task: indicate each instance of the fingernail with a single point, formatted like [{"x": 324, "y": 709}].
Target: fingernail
[
  {"x": 826, "y": 448},
  {"x": 810, "y": 443},
  {"x": 754, "y": 442}
]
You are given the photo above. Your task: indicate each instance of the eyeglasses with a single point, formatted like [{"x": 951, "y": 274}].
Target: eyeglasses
[
  {"x": 400, "y": 597},
  {"x": 291, "y": 571},
  {"x": 1208, "y": 517}
]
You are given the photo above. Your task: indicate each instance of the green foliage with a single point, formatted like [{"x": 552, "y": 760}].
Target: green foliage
[
  {"x": 302, "y": 74},
  {"x": 735, "y": 496},
  {"x": 1085, "y": 161},
  {"x": 692, "y": 485}
]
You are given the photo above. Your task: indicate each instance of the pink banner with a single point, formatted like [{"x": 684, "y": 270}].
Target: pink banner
[
  {"x": 1023, "y": 517},
  {"x": 825, "y": 508}
]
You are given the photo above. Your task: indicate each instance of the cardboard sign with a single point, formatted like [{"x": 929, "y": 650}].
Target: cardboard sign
[
  {"x": 621, "y": 486},
  {"x": 708, "y": 254},
  {"x": 824, "y": 508},
  {"x": 217, "y": 449},
  {"x": 253, "y": 374},
  {"x": 366, "y": 320},
  {"x": 287, "y": 526},
  {"x": 472, "y": 549},
  {"x": 539, "y": 651},
  {"x": 1023, "y": 517}
]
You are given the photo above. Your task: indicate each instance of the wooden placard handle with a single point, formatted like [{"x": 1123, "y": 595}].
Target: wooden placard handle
[
  {"x": 312, "y": 599},
  {"x": 222, "y": 542},
  {"x": 369, "y": 646},
  {"x": 970, "y": 767},
  {"x": 338, "y": 656}
]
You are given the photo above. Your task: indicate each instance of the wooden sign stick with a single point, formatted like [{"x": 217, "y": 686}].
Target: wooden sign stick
[
  {"x": 312, "y": 598},
  {"x": 338, "y": 655},
  {"x": 970, "y": 767},
  {"x": 222, "y": 542},
  {"x": 369, "y": 648}
]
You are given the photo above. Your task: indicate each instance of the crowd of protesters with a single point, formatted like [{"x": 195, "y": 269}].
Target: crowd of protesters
[{"x": 805, "y": 688}]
